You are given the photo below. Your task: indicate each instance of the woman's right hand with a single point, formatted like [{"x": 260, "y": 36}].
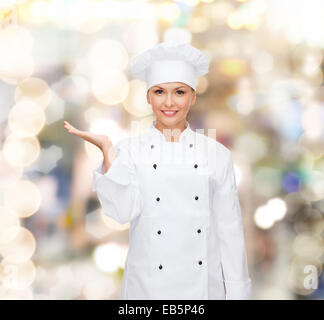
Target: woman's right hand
[{"x": 101, "y": 141}]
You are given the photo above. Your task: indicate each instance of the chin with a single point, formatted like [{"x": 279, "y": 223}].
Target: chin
[{"x": 169, "y": 121}]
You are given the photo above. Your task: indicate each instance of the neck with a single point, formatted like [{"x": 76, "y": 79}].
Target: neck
[{"x": 171, "y": 133}]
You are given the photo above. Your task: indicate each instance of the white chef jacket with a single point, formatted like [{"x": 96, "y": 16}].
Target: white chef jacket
[{"x": 186, "y": 237}]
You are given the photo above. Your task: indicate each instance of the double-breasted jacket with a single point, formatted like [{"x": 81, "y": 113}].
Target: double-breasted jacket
[{"x": 186, "y": 237}]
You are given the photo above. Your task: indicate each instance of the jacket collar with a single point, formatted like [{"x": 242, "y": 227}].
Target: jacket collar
[{"x": 157, "y": 133}]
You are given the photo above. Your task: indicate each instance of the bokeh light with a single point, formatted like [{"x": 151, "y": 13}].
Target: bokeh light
[{"x": 28, "y": 201}]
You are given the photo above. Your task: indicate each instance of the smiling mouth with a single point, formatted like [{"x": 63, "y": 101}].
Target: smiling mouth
[{"x": 169, "y": 112}]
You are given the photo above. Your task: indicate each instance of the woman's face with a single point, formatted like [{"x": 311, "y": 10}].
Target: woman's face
[{"x": 175, "y": 97}]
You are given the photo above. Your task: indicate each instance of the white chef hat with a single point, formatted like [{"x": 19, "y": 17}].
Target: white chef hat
[{"x": 170, "y": 61}]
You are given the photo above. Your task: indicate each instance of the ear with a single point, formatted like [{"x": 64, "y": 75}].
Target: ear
[
  {"x": 148, "y": 97},
  {"x": 193, "y": 98}
]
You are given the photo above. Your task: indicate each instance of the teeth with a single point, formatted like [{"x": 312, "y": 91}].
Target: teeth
[{"x": 169, "y": 112}]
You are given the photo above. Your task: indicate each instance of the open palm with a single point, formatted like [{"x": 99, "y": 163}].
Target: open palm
[{"x": 101, "y": 141}]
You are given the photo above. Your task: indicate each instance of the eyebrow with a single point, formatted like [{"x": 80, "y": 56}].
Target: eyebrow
[{"x": 174, "y": 88}]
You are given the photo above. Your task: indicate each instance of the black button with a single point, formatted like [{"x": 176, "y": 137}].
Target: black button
[
  {"x": 152, "y": 146},
  {"x": 200, "y": 262},
  {"x": 157, "y": 199},
  {"x": 154, "y": 166},
  {"x": 198, "y": 230},
  {"x": 196, "y": 197},
  {"x": 190, "y": 145},
  {"x": 159, "y": 232},
  {"x": 160, "y": 266},
  {"x": 196, "y": 165}
]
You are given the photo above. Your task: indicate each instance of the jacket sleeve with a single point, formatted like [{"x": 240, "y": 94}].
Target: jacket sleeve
[
  {"x": 231, "y": 237},
  {"x": 118, "y": 189}
]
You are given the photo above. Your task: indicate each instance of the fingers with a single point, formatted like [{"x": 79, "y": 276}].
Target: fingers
[
  {"x": 67, "y": 125},
  {"x": 70, "y": 128}
]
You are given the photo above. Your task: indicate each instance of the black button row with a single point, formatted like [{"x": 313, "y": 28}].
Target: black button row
[
  {"x": 158, "y": 198},
  {"x": 155, "y": 165},
  {"x": 159, "y": 231},
  {"x": 199, "y": 262}
]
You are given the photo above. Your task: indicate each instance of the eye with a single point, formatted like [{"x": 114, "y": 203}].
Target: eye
[
  {"x": 158, "y": 91},
  {"x": 180, "y": 91}
]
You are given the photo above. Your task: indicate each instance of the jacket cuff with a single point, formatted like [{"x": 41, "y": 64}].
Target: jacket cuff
[{"x": 238, "y": 290}]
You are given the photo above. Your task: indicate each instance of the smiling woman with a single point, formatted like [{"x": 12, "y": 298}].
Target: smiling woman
[{"x": 187, "y": 238}]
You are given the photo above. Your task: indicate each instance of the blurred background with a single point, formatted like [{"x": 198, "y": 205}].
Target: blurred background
[{"x": 68, "y": 60}]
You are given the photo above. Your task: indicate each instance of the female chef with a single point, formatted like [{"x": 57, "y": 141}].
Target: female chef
[{"x": 177, "y": 189}]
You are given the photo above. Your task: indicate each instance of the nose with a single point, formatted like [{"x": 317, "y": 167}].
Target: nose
[{"x": 168, "y": 101}]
